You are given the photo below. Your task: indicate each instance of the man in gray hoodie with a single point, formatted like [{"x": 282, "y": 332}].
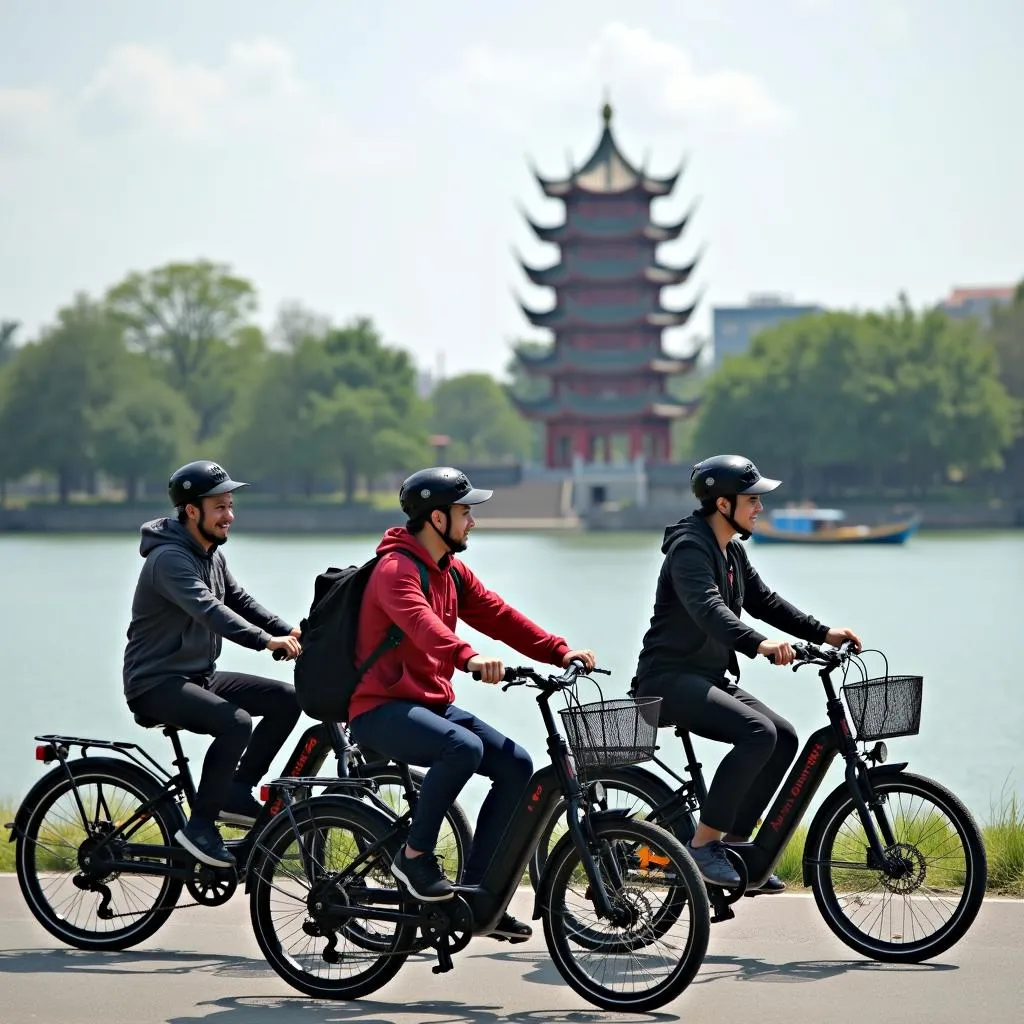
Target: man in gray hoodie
[{"x": 186, "y": 601}]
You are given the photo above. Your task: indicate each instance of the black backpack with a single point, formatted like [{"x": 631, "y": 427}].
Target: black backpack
[{"x": 326, "y": 673}]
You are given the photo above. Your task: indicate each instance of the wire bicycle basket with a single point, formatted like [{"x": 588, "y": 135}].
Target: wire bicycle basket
[
  {"x": 885, "y": 707},
  {"x": 612, "y": 733}
]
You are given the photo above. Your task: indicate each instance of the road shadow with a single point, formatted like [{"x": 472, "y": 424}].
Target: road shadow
[
  {"x": 273, "y": 1010},
  {"x": 718, "y": 968},
  {"x": 151, "y": 961}
]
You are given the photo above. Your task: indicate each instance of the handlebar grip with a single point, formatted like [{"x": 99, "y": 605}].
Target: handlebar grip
[
  {"x": 507, "y": 676},
  {"x": 279, "y": 655}
]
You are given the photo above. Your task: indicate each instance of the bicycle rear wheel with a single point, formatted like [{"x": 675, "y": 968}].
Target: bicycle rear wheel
[
  {"x": 930, "y": 897},
  {"x": 300, "y": 881},
  {"x": 640, "y": 963},
  {"x": 65, "y": 868}
]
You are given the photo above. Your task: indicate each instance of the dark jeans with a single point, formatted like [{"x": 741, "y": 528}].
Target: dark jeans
[
  {"x": 764, "y": 744},
  {"x": 222, "y": 708},
  {"x": 453, "y": 745}
]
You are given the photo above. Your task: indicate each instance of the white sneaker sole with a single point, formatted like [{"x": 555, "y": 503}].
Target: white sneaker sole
[
  {"x": 187, "y": 843},
  {"x": 400, "y": 875}
]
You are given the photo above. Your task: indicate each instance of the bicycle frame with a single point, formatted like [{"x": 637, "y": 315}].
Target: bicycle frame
[
  {"x": 762, "y": 853},
  {"x": 488, "y": 900},
  {"x": 308, "y": 757}
]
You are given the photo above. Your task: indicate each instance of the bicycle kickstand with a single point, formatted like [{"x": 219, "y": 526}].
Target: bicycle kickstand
[{"x": 444, "y": 957}]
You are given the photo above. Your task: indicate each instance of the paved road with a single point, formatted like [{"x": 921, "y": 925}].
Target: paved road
[{"x": 776, "y": 962}]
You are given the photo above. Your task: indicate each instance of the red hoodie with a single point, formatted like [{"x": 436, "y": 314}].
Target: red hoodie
[{"x": 420, "y": 668}]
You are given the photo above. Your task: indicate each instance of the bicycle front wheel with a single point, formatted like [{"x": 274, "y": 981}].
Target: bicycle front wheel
[
  {"x": 301, "y": 887},
  {"x": 930, "y": 894},
  {"x": 639, "y": 963}
]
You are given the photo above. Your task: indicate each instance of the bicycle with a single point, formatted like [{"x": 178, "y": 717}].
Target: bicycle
[
  {"x": 304, "y": 905},
  {"x": 111, "y": 819},
  {"x": 862, "y": 835}
]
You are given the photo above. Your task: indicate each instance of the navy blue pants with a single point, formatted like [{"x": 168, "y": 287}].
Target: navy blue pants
[{"x": 454, "y": 746}]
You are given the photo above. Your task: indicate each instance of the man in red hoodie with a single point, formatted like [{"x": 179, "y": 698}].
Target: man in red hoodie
[{"x": 404, "y": 706}]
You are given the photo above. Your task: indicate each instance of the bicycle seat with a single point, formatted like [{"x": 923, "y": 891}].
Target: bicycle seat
[{"x": 150, "y": 723}]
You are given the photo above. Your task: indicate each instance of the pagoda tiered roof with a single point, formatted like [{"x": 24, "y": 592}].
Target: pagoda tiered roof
[
  {"x": 609, "y": 227},
  {"x": 604, "y": 362},
  {"x": 605, "y": 407},
  {"x": 572, "y": 269},
  {"x": 607, "y": 172},
  {"x": 568, "y": 314}
]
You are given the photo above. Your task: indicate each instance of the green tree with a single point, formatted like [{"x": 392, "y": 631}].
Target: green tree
[
  {"x": 189, "y": 316},
  {"x": 8, "y": 328},
  {"x": 54, "y": 387},
  {"x": 841, "y": 398},
  {"x": 338, "y": 406},
  {"x": 475, "y": 412},
  {"x": 142, "y": 433},
  {"x": 1007, "y": 335}
]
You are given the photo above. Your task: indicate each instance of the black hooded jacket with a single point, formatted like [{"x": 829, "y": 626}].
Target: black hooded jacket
[
  {"x": 186, "y": 600},
  {"x": 696, "y": 626}
]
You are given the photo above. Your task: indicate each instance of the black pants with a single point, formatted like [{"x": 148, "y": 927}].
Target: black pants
[
  {"x": 222, "y": 707},
  {"x": 764, "y": 744},
  {"x": 454, "y": 745}
]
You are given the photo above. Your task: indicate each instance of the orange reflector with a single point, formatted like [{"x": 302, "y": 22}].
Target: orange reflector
[{"x": 648, "y": 858}]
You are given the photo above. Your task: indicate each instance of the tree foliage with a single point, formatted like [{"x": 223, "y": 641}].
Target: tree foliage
[
  {"x": 840, "y": 399},
  {"x": 475, "y": 412}
]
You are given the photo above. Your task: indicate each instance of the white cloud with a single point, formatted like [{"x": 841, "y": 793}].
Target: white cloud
[
  {"x": 255, "y": 95},
  {"x": 658, "y": 74}
]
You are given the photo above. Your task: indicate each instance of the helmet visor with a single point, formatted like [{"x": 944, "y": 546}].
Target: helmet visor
[{"x": 761, "y": 486}]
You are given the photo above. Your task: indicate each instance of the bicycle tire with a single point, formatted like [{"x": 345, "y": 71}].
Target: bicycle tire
[
  {"x": 823, "y": 835},
  {"x": 686, "y": 888},
  {"x": 320, "y": 812},
  {"x": 165, "y": 816}
]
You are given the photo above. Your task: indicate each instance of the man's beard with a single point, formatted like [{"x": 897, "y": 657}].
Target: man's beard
[
  {"x": 457, "y": 546},
  {"x": 206, "y": 535}
]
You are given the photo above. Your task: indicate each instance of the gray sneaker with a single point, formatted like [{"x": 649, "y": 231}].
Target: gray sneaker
[{"x": 713, "y": 864}]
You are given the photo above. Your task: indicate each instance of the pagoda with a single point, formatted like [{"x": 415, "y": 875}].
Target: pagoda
[{"x": 607, "y": 369}]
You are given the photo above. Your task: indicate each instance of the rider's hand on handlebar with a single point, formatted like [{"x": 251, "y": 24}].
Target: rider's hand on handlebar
[
  {"x": 492, "y": 670},
  {"x": 288, "y": 644},
  {"x": 838, "y": 636},
  {"x": 585, "y": 655},
  {"x": 778, "y": 652}
]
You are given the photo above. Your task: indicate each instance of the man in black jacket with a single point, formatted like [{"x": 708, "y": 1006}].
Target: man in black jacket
[
  {"x": 695, "y": 634},
  {"x": 185, "y": 601}
]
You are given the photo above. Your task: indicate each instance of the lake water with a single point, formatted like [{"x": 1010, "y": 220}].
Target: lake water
[{"x": 946, "y": 607}]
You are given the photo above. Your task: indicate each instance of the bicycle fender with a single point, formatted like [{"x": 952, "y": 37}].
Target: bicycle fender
[
  {"x": 840, "y": 793},
  {"x": 147, "y": 783}
]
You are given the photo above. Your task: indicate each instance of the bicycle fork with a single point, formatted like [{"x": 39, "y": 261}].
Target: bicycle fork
[{"x": 870, "y": 808}]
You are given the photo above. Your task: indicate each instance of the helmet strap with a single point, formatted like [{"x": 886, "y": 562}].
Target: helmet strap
[
  {"x": 449, "y": 541},
  {"x": 731, "y": 518}
]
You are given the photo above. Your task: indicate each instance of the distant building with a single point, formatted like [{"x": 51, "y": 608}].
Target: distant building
[
  {"x": 735, "y": 326},
  {"x": 976, "y": 302}
]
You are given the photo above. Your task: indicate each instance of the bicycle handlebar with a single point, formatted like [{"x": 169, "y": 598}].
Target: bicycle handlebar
[
  {"x": 524, "y": 675},
  {"x": 812, "y": 654}
]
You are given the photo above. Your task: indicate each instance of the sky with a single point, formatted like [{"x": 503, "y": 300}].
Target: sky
[{"x": 375, "y": 159}]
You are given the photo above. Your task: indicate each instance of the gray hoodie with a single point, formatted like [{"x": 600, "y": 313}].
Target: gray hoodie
[{"x": 186, "y": 600}]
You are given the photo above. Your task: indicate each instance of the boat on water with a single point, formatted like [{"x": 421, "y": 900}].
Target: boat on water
[{"x": 810, "y": 525}]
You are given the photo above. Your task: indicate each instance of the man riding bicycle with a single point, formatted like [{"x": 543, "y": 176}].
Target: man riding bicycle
[
  {"x": 694, "y": 636},
  {"x": 403, "y": 706},
  {"x": 186, "y": 601}
]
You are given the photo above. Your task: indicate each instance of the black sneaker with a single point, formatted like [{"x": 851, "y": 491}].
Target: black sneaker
[
  {"x": 511, "y": 929},
  {"x": 713, "y": 864},
  {"x": 422, "y": 876},
  {"x": 240, "y": 807},
  {"x": 203, "y": 841},
  {"x": 771, "y": 885}
]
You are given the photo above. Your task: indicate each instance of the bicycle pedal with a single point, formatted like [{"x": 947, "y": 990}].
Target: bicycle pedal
[{"x": 726, "y": 914}]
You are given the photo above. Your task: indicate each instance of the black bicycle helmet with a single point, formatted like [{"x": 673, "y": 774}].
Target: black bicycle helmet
[
  {"x": 725, "y": 476},
  {"x": 197, "y": 480},
  {"x": 438, "y": 487}
]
